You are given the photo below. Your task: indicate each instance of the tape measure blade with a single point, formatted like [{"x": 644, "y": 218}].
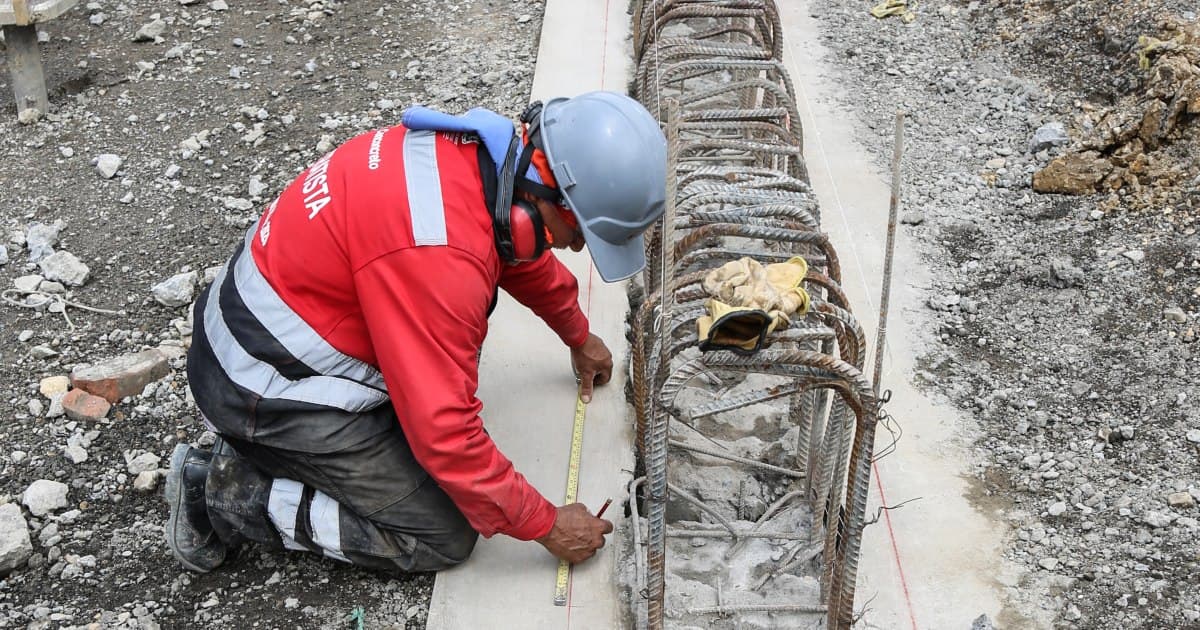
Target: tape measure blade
[
  {"x": 562, "y": 580},
  {"x": 560, "y": 583}
]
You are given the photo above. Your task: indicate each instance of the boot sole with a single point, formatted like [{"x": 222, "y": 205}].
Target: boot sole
[{"x": 174, "y": 496}]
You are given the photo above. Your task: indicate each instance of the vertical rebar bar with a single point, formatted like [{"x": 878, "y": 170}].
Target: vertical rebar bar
[
  {"x": 656, "y": 452},
  {"x": 889, "y": 252}
]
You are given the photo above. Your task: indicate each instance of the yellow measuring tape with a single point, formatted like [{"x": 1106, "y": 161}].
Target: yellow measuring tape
[{"x": 564, "y": 567}]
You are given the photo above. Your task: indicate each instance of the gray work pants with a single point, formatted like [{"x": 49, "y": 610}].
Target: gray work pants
[{"x": 369, "y": 503}]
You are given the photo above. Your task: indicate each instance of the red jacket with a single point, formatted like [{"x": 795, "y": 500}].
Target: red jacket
[{"x": 387, "y": 252}]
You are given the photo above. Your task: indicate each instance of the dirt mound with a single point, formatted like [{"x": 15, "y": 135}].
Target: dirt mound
[{"x": 1144, "y": 147}]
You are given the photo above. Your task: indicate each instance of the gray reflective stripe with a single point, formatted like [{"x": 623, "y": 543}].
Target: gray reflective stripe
[
  {"x": 290, "y": 330},
  {"x": 424, "y": 188},
  {"x": 326, "y": 528},
  {"x": 264, "y": 380},
  {"x": 282, "y": 506}
]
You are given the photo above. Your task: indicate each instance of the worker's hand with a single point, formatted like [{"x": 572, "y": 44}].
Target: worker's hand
[
  {"x": 576, "y": 534},
  {"x": 593, "y": 365}
]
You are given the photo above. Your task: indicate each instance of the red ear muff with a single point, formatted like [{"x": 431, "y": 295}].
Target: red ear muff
[
  {"x": 517, "y": 225},
  {"x": 528, "y": 234}
]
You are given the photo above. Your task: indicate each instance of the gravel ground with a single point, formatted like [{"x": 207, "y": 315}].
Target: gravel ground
[
  {"x": 1066, "y": 323},
  {"x": 155, "y": 157}
]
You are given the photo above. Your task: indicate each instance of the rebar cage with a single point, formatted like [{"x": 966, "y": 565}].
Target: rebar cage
[{"x": 712, "y": 72}]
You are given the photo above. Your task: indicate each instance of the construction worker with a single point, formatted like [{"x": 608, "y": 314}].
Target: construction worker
[{"x": 336, "y": 354}]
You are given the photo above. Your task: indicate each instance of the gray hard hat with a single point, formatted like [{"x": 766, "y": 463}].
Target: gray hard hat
[{"x": 609, "y": 158}]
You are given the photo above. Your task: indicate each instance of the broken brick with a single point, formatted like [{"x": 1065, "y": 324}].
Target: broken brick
[
  {"x": 127, "y": 375},
  {"x": 81, "y": 405}
]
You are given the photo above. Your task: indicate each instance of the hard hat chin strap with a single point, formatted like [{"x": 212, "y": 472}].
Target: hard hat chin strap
[
  {"x": 534, "y": 153},
  {"x": 526, "y": 185}
]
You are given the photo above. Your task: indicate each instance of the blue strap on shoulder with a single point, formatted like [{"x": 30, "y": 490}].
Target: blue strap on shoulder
[{"x": 495, "y": 131}]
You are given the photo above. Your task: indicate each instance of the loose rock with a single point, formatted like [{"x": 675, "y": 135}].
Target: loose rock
[
  {"x": 45, "y": 496},
  {"x": 1047, "y": 136},
  {"x": 52, "y": 386},
  {"x": 178, "y": 290},
  {"x": 80, "y": 405},
  {"x": 64, "y": 267},
  {"x": 1181, "y": 500},
  {"x": 1074, "y": 174},
  {"x": 150, "y": 32},
  {"x": 143, "y": 463},
  {"x": 107, "y": 164},
  {"x": 15, "y": 544},
  {"x": 146, "y": 481},
  {"x": 41, "y": 239},
  {"x": 28, "y": 283},
  {"x": 121, "y": 376},
  {"x": 1156, "y": 519}
]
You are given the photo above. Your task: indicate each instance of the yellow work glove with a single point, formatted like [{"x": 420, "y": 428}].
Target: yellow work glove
[
  {"x": 888, "y": 8},
  {"x": 785, "y": 278},
  {"x": 726, "y": 327},
  {"x": 750, "y": 301}
]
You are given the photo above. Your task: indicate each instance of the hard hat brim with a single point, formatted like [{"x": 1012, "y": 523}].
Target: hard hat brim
[{"x": 615, "y": 262}]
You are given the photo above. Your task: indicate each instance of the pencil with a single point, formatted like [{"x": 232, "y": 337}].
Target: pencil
[{"x": 604, "y": 507}]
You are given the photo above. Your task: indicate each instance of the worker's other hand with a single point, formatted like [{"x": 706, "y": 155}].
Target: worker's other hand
[
  {"x": 593, "y": 365},
  {"x": 576, "y": 534}
]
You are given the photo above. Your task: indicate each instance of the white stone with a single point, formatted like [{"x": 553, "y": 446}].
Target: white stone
[
  {"x": 255, "y": 186},
  {"x": 107, "y": 164},
  {"x": 54, "y": 385},
  {"x": 146, "y": 481},
  {"x": 76, "y": 453},
  {"x": 41, "y": 239},
  {"x": 178, "y": 290},
  {"x": 1136, "y": 255},
  {"x": 1175, "y": 315},
  {"x": 1047, "y": 136},
  {"x": 28, "y": 283},
  {"x": 1156, "y": 519},
  {"x": 238, "y": 204},
  {"x": 15, "y": 545},
  {"x": 151, "y": 31},
  {"x": 64, "y": 267},
  {"x": 56, "y": 409},
  {"x": 143, "y": 463},
  {"x": 44, "y": 496}
]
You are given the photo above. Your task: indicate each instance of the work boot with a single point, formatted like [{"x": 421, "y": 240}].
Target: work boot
[{"x": 189, "y": 531}]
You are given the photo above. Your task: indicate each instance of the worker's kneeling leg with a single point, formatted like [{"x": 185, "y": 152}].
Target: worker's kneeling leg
[
  {"x": 441, "y": 533},
  {"x": 369, "y": 504}
]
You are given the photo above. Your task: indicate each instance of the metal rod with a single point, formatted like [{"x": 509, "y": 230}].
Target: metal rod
[
  {"x": 734, "y": 458},
  {"x": 737, "y": 608},
  {"x": 719, "y": 533},
  {"x": 889, "y": 251},
  {"x": 25, "y": 68}
]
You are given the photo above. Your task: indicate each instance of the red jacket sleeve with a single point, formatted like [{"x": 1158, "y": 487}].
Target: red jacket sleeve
[
  {"x": 550, "y": 290},
  {"x": 426, "y": 311}
]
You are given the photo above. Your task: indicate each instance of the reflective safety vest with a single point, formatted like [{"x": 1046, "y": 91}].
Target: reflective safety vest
[{"x": 360, "y": 298}]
